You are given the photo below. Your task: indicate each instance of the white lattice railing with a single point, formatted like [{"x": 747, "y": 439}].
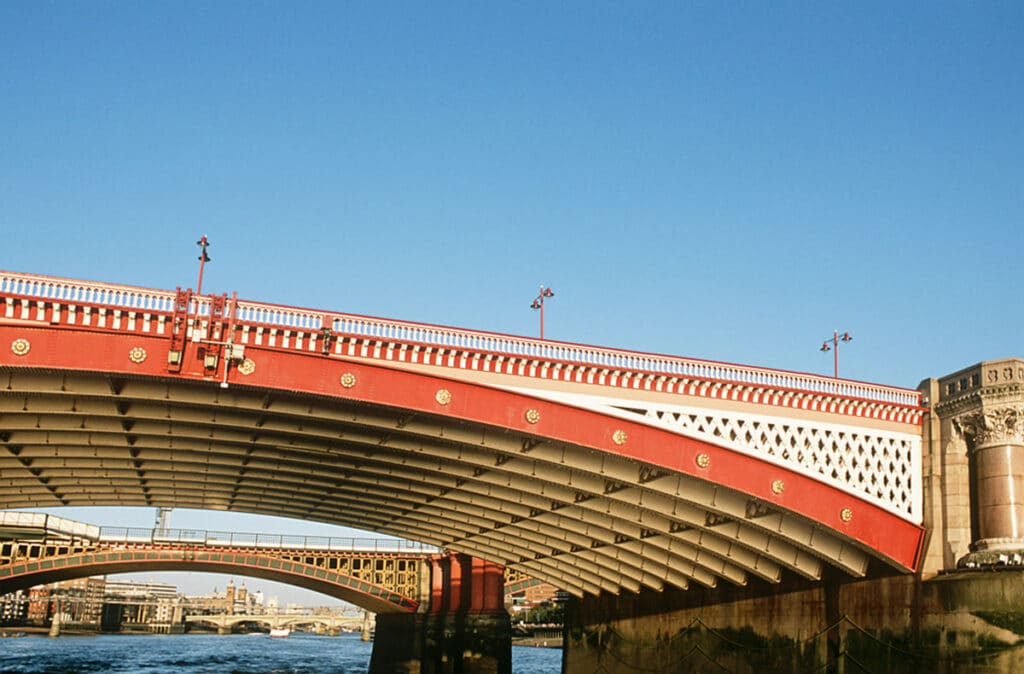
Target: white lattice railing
[
  {"x": 556, "y": 354},
  {"x": 879, "y": 466}
]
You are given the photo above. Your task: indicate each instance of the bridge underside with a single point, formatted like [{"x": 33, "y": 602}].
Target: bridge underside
[{"x": 587, "y": 502}]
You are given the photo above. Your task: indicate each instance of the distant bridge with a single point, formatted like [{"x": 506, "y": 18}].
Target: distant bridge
[
  {"x": 333, "y": 623},
  {"x": 376, "y": 574}
]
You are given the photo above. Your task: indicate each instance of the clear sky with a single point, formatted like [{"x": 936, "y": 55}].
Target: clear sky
[{"x": 723, "y": 180}]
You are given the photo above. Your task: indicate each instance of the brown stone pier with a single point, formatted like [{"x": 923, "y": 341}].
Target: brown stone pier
[{"x": 465, "y": 628}]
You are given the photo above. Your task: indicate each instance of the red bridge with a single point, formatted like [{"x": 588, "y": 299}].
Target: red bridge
[{"x": 599, "y": 470}]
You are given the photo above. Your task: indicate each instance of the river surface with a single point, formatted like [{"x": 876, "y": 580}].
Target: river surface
[{"x": 214, "y": 654}]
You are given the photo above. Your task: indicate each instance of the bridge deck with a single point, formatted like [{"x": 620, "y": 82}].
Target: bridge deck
[{"x": 596, "y": 469}]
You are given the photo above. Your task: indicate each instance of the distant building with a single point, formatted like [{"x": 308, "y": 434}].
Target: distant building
[
  {"x": 229, "y": 597},
  {"x": 138, "y": 606},
  {"x": 80, "y": 600},
  {"x": 536, "y": 595},
  {"x": 14, "y": 608},
  {"x": 39, "y": 605}
]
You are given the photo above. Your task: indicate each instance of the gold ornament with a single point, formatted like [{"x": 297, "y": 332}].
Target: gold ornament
[
  {"x": 247, "y": 366},
  {"x": 778, "y": 486},
  {"x": 20, "y": 347},
  {"x": 703, "y": 460},
  {"x": 444, "y": 396},
  {"x": 846, "y": 514},
  {"x": 137, "y": 355},
  {"x": 619, "y": 437},
  {"x": 532, "y": 416},
  {"x": 348, "y": 380}
]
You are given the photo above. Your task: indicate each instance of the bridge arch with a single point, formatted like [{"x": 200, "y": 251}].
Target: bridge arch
[
  {"x": 123, "y": 411},
  {"x": 589, "y": 520},
  {"x": 373, "y": 597}
]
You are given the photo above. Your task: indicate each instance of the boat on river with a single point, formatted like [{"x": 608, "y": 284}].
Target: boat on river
[{"x": 279, "y": 632}]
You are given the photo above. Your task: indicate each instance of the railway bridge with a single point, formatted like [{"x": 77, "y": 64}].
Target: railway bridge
[
  {"x": 379, "y": 575},
  {"x": 649, "y": 487}
]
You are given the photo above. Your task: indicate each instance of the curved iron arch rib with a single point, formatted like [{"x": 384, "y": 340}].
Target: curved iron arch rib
[{"x": 557, "y": 498}]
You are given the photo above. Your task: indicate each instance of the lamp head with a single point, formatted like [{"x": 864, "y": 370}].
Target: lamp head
[
  {"x": 535, "y": 305},
  {"x": 825, "y": 346},
  {"x": 548, "y": 292},
  {"x": 846, "y": 337}
]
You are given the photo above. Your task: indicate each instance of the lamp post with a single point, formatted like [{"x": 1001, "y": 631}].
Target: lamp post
[
  {"x": 836, "y": 338},
  {"x": 203, "y": 259},
  {"x": 538, "y": 303}
]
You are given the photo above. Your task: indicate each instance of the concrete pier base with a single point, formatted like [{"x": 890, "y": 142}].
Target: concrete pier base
[
  {"x": 463, "y": 629},
  {"x": 957, "y": 623},
  {"x": 423, "y": 644}
]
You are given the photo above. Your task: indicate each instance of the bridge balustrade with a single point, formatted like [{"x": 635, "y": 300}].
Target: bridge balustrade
[
  {"x": 112, "y": 535},
  {"x": 411, "y": 334}
]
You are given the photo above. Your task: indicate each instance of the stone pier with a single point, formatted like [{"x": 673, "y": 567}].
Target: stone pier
[{"x": 464, "y": 628}]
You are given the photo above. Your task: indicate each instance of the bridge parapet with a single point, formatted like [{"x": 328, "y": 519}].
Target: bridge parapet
[{"x": 58, "y": 301}]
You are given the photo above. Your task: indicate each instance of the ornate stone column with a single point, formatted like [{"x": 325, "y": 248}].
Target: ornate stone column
[
  {"x": 995, "y": 442},
  {"x": 981, "y": 413}
]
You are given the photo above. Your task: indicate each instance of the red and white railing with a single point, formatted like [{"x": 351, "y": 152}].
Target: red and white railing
[{"x": 32, "y": 297}]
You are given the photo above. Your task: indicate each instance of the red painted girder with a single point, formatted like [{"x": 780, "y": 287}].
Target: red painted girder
[{"x": 893, "y": 537}]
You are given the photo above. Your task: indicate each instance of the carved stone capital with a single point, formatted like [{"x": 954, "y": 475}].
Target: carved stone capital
[{"x": 993, "y": 426}]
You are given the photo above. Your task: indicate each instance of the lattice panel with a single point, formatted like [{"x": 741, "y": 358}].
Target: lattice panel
[
  {"x": 398, "y": 575},
  {"x": 884, "y": 467}
]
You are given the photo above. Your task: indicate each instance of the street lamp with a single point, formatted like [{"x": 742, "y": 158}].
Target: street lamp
[
  {"x": 836, "y": 338},
  {"x": 203, "y": 259},
  {"x": 538, "y": 303}
]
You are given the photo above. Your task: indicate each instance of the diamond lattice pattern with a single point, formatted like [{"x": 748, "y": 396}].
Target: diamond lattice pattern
[{"x": 874, "y": 464}]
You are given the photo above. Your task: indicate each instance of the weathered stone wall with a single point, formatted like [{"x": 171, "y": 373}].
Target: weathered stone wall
[{"x": 965, "y": 622}]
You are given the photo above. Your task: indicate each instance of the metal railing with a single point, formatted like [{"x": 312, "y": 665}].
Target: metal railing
[
  {"x": 37, "y": 525},
  {"x": 488, "y": 344},
  {"x": 233, "y": 539}
]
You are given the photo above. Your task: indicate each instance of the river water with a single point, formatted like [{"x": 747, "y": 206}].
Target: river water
[{"x": 214, "y": 654}]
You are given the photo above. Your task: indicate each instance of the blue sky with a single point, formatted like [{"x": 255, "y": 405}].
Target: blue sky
[{"x": 722, "y": 180}]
